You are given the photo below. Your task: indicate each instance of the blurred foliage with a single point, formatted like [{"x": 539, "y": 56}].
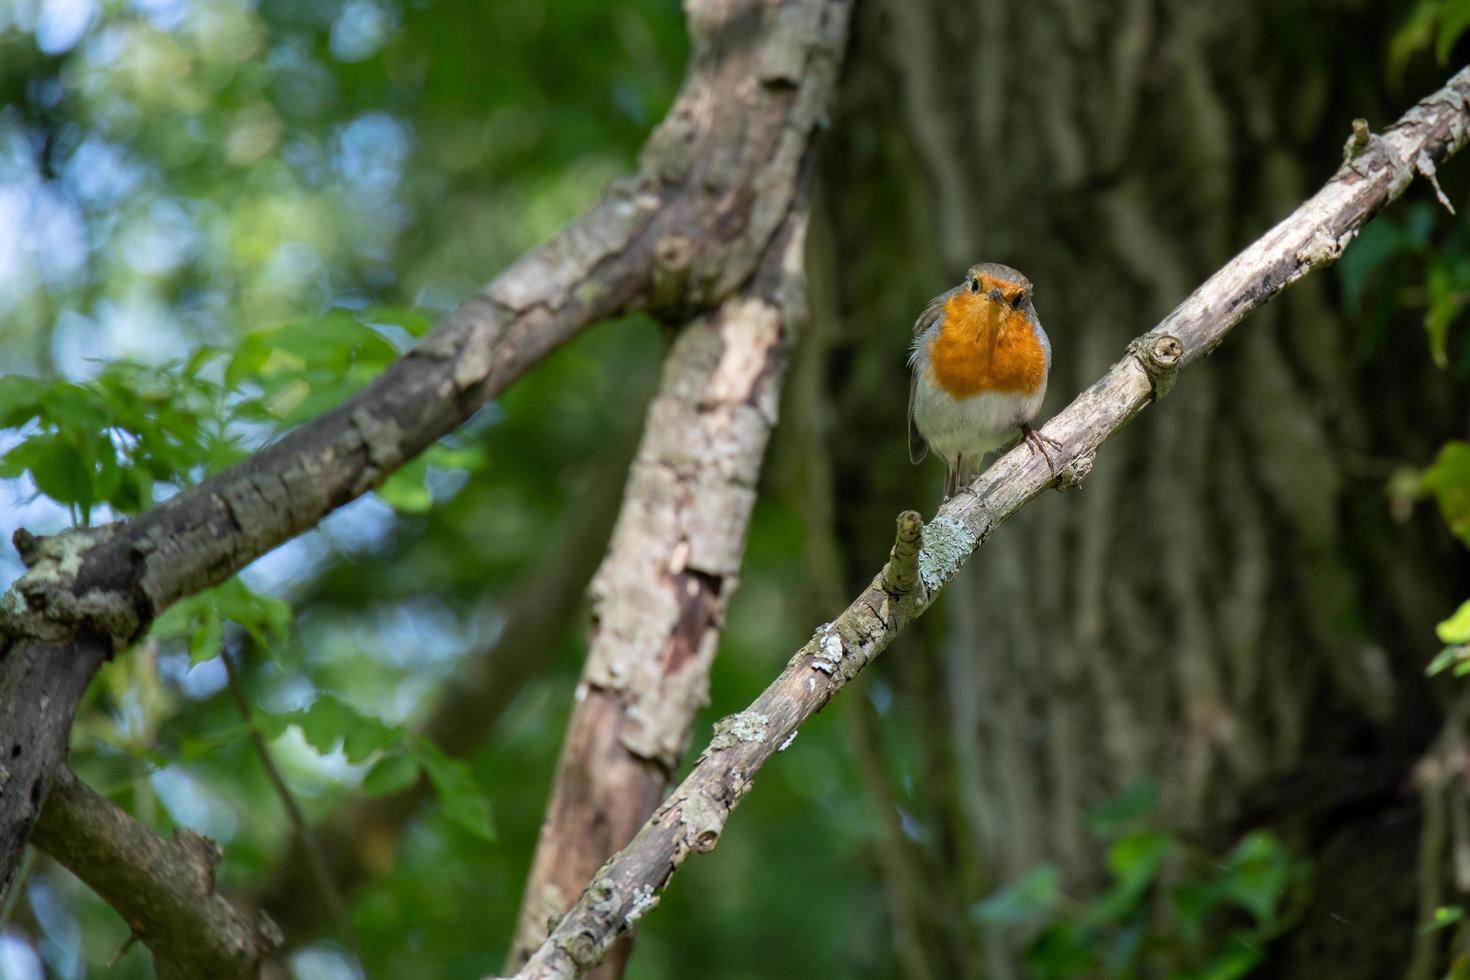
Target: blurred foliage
[
  {"x": 1170, "y": 910},
  {"x": 238, "y": 212},
  {"x": 235, "y": 214},
  {"x": 1377, "y": 275}
]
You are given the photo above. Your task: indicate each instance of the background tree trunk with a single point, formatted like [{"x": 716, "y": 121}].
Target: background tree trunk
[{"x": 1198, "y": 613}]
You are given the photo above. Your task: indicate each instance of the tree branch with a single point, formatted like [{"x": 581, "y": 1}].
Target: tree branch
[
  {"x": 659, "y": 597},
  {"x": 164, "y": 889},
  {"x": 716, "y": 181},
  {"x": 692, "y": 818}
]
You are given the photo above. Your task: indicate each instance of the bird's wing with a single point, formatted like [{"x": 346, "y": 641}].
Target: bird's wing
[
  {"x": 918, "y": 447},
  {"x": 933, "y": 313}
]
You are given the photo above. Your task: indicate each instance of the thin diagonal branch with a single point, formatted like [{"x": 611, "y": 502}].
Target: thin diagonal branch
[
  {"x": 716, "y": 184},
  {"x": 164, "y": 889},
  {"x": 692, "y": 818},
  {"x": 321, "y": 875}
]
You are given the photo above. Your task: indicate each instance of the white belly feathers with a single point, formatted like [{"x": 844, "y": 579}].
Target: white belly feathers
[{"x": 971, "y": 426}]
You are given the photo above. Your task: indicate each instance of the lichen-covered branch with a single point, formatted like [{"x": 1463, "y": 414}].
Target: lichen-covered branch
[
  {"x": 692, "y": 818},
  {"x": 164, "y": 889},
  {"x": 716, "y": 183}
]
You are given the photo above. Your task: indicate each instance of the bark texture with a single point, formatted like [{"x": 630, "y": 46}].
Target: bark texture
[
  {"x": 164, "y": 889},
  {"x": 659, "y": 598},
  {"x": 1228, "y": 607},
  {"x": 716, "y": 184},
  {"x": 924, "y": 560}
]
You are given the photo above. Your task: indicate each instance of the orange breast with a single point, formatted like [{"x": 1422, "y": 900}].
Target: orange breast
[{"x": 985, "y": 346}]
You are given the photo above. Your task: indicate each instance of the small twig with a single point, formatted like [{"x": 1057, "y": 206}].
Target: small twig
[
  {"x": 308, "y": 840},
  {"x": 122, "y": 951},
  {"x": 901, "y": 574}
]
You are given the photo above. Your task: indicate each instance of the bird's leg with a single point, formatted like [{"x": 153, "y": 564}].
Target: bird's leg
[{"x": 1037, "y": 443}]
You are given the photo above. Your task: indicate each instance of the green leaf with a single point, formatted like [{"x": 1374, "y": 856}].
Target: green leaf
[
  {"x": 266, "y": 618},
  {"x": 1235, "y": 962},
  {"x": 1412, "y": 36},
  {"x": 1457, "y": 656},
  {"x": 459, "y": 794},
  {"x": 59, "y": 467},
  {"x": 1192, "y": 905},
  {"x": 1445, "y": 915},
  {"x": 1259, "y": 867},
  {"x": 73, "y": 408},
  {"x": 204, "y": 641},
  {"x": 330, "y": 720},
  {"x": 1030, "y": 898},
  {"x": 1447, "y": 298},
  {"x": 411, "y": 320},
  {"x": 1134, "y": 861},
  {"x": 445, "y": 457},
  {"x": 1449, "y": 481},
  {"x": 405, "y": 491},
  {"x": 195, "y": 746},
  {"x": 1376, "y": 245},
  {"x": 392, "y": 774},
  {"x": 20, "y": 399},
  {"x": 1454, "y": 18},
  {"x": 1456, "y": 629},
  {"x": 1128, "y": 807}
]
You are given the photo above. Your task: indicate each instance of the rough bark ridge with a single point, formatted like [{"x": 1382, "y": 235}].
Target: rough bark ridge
[
  {"x": 163, "y": 888},
  {"x": 1115, "y": 153},
  {"x": 717, "y": 180},
  {"x": 926, "y": 559},
  {"x": 658, "y": 599}
]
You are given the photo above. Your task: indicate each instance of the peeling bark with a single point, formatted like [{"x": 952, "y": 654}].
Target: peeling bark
[
  {"x": 693, "y": 817},
  {"x": 659, "y": 598}
]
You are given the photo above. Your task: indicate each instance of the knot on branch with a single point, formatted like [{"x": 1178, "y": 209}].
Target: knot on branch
[
  {"x": 673, "y": 260},
  {"x": 43, "y": 604},
  {"x": 1159, "y": 354},
  {"x": 1077, "y": 470},
  {"x": 901, "y": 574}
]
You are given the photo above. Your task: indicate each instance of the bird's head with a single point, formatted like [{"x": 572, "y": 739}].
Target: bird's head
[{"x": 1000, "y": 284}]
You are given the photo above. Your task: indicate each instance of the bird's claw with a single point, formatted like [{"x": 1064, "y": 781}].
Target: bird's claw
[{"x": 1037, "y": 443}]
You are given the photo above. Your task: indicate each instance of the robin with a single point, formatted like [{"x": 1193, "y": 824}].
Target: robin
[{"x": 980, "y": 362}]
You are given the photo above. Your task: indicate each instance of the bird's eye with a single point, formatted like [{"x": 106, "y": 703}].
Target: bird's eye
[{"x": 973, "y": 283}]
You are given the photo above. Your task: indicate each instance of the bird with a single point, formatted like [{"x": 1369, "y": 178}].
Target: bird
[{"x": 980, "y": 362}]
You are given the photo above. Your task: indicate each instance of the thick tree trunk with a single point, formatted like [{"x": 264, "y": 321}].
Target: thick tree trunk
[{"x": 1228, "y": 606}]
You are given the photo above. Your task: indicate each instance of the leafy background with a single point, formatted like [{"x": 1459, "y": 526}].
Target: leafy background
[{"x": 229, "y": 216}]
